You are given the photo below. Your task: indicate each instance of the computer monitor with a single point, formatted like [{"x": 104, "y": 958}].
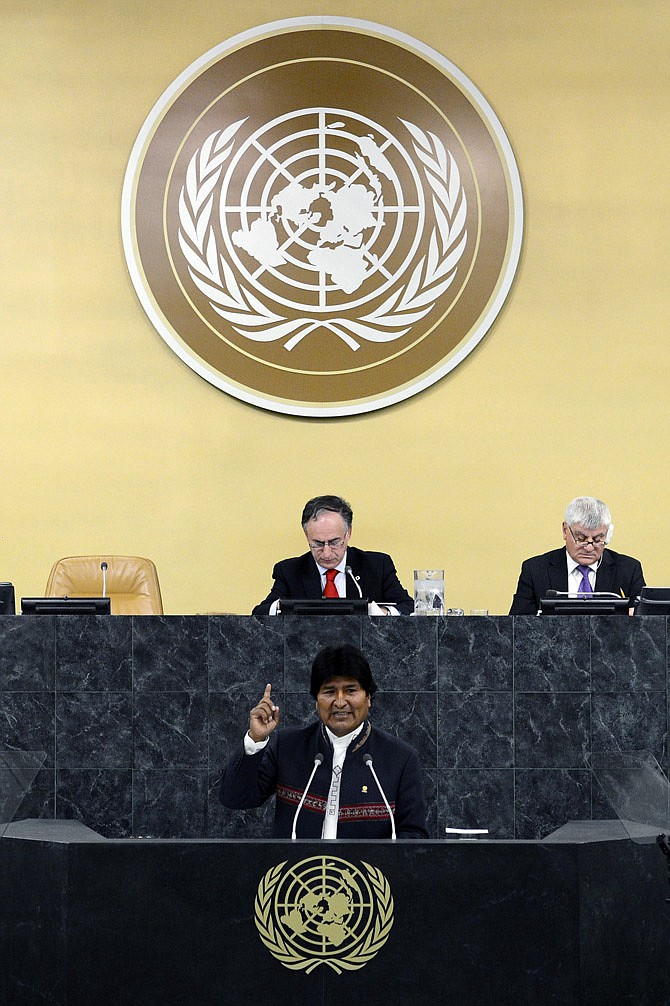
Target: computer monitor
[
  {"x": 65, "y": 606},
  {"x": 7, "y": 599},
  {"x": 324, "y": 606},
  {"x": 594, "y": 604},
  {"x": 654, "y": 601}
]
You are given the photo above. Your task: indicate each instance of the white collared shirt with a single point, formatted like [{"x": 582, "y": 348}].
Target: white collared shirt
[{"x": 340, "y": 746}]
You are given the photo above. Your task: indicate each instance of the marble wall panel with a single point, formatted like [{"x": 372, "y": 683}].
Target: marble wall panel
[
  {"x": 552, "y": 654},
  {"x": 245, "y": 654},
  {"x": 100, "y": 797},
  {"x": 169, "y": 802},
  {"x": 94, "y": 729},
  {"x": 170, "y": 653},
  {"x": 225, "y": 823},
  {"x": 170, "y": 730},
  {"x": 40, "y": 801},
  {"x": 93, "y": 654},
  {"x": 476, "y": 798},
  {"x": 631, "y": 721},
  {"x": 412, "y": 716},
  {"x": 402, "y": 652},
  {"x": 475, "y": 729},
  {"x": 545, "y": 799},
  {"x": 628, "y": 654},
  {"x": 27, "y": 654},
  {"x": 228, "y": 721},
  {"x": 299, "y": 709},
  {"x": 475, "y": 654},
  {"x": 430, "y": 795},
  {"x": 27, "y": 723},
  {"x": 551, "y": 731},
  {"x": 138, "y": 716}
]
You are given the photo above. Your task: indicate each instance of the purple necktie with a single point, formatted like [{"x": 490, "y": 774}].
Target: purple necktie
[{"x": 585, "y": 586}]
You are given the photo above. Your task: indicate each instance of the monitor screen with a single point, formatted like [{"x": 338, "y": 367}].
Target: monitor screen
[
  {"x": 7, "y": 599},
  {"x": 592, "y": 605},
  {"x": 65, "y": 606},
  {"x": 654, "y": 601},
  {"x": 324, "y": 606}
]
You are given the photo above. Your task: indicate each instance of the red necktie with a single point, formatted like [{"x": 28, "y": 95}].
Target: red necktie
[{"x": 330, "y": 589}]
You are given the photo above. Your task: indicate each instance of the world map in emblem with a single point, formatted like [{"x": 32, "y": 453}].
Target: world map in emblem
[
  {"x": 326, "y": 219},
  {"x": 324, "y": 234}
]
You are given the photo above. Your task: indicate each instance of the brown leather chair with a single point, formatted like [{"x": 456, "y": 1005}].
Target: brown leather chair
[{"x": 131, "y": 582}]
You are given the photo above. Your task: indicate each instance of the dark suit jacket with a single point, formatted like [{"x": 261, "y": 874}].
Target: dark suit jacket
[
  {"x": 616, "y": 573},
  {"x": 374, "y": 572}
]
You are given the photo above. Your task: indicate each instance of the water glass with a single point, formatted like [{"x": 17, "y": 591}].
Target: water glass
[{"x": 428, "y": 591}]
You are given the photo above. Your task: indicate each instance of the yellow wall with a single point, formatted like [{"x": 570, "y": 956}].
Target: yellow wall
[{"x": 110, "y": 443}]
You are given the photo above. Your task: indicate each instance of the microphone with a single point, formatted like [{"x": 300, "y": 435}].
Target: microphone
[
  {"x": 348, "y": 570},
  {"x": 368, "y": 761},
  {"x": 318, "y": 759},
  {"x": 103, "y": 567},
  {"x": 574, "y": 593}
]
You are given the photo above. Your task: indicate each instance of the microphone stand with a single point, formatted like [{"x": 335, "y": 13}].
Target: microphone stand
[
  {"x": 368, "y": 761},
  {"x": 318, "y": 758},
  {"x": 349, "y": 571}
]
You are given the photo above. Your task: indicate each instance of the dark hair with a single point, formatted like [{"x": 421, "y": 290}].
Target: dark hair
[
  {"x": 335, "y": 504},
  {"x": 344, "y": 661}
]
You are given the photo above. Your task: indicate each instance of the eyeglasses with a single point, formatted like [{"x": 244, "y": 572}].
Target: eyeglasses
[
  {"x": 334, "y": 543},
  {"x": 597, "y": 541}
]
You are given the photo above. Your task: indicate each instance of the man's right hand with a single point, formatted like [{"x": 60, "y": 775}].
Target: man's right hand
[{"x": 264, "y": 717}]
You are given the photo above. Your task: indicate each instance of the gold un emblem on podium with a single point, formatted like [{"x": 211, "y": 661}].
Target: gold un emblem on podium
[{"x": 324, "y": 910}]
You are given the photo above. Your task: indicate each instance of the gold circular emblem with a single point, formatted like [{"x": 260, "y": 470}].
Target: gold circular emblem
[
  {"x": 324, "y": 910},
  {"x": 322, "y": 216}
]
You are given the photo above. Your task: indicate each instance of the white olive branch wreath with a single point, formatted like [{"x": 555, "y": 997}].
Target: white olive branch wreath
[{"x": 253, "y": 319}]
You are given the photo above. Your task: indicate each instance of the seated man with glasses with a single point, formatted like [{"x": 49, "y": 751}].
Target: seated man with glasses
[
  {"x": 585, "y": 564},
  {"x": 332, "y": 568}
]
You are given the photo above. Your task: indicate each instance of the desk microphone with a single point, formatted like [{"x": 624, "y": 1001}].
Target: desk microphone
[
  {"x": 348, "y": 570},
  {"x": 579, "y": 593},
  {"x": 318, "y": 759},
  {"x": 368, "y": 761},
  {"x": 103, "y": 567}
]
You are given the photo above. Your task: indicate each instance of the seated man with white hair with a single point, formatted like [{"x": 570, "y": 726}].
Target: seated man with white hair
[{"x": 584, "y": 566}]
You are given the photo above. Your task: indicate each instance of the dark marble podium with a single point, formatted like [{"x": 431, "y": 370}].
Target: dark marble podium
[
  {"x": 579, "y": 919},
  {"x": 137, "y": 714}
]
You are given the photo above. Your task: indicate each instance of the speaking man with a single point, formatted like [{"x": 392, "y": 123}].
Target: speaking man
[
  {"x": 347, "y": 770},
  {"x": 584, "y": 566},
  {"x": 332, "y": 568}
]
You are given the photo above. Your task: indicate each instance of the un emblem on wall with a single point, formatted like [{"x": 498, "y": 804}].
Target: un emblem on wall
[
  {"x": 324, "y": 910},
  {"x": 322, "y": 217}
]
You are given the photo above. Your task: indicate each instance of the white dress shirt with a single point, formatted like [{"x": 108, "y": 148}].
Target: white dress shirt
[{"x": 340, "y": 745}]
